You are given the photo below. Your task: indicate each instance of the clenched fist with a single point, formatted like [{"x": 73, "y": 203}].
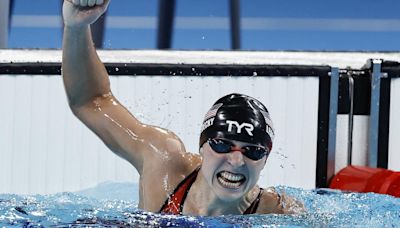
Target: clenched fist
[{"x": 79, "y": 13}]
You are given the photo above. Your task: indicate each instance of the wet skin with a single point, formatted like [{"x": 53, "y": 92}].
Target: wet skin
[{"x": 157, "y": 154}]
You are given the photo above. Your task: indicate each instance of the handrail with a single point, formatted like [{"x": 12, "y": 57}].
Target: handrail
[{"x": 351, "y": 118}]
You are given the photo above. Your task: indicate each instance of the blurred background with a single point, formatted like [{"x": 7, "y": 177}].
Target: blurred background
[
  {"x": 341, "y": 25},
  {"x": 310, "y": 95}
]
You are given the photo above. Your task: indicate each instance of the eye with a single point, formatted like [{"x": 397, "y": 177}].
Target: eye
[
  {"x": 220, "y": 146},
  {"x": 255, "y": 152}
]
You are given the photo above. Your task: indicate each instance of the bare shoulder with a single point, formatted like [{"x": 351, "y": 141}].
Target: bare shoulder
[
  {"x": 169, "y": 153},
  {"x": 162, "y": 173},
  {"x": 168, "y": 161},
  {"x": 274, "y": 202}
]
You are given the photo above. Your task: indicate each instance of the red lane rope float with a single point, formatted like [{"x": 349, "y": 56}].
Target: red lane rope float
[{"x": 365, "y": 179}]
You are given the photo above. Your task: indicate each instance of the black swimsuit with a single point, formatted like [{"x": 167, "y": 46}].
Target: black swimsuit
[{"x": 174, "y": 203}]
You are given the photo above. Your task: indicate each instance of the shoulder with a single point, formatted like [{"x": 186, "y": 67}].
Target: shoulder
[
  {"x": 168, "y": 158},
  {"x": 161, "y": 176},
  {"x": 274, "y": 202},
  {"x": 169, "y": 152}
]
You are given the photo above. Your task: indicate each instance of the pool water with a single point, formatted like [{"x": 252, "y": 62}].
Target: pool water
[{"x": 115, "y": 205}]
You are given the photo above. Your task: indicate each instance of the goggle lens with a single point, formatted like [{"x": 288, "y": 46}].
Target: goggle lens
[{"x": 223, "y": 146}]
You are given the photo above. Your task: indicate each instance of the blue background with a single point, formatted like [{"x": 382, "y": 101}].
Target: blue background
[{"x": 196, "y": 38}]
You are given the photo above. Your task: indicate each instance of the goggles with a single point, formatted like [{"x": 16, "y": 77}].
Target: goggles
[{"x": 222, "y": 146}]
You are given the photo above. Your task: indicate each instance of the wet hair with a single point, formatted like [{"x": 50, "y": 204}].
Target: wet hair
[{"x": 238, "y": 117}]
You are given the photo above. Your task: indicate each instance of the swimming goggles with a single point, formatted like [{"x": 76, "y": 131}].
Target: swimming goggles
[{"x": 222, "y": 146}]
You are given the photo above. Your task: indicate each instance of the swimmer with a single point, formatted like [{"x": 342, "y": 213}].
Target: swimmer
[{"x": 235, "y": 141}]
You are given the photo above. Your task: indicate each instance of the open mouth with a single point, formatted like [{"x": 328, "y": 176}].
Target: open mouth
[{"x": 230, "y": 180}]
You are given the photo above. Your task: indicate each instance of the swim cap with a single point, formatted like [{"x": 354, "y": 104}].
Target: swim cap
[{"x": 238, "y": 117}]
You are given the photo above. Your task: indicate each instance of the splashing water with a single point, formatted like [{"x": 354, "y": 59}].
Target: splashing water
[{"x": 101, "y": 206}]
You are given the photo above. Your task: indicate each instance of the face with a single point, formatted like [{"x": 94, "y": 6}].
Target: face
[{"x": 230, "y": 175}]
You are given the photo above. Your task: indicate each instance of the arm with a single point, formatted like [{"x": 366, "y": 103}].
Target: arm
[
  {"x": 91, "y": 100},
  {"x": 290, "y": 205},
  {"x": 279, "y": 203},
  {"x": 84, "y": 75}
]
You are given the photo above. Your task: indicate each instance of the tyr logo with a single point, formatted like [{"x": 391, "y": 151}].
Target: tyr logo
[{"x": 248, "y": 127}]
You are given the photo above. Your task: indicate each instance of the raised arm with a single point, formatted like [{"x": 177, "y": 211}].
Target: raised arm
[
  {"x": 84, "y": 75},
  {"x": 91, "y": 100}
]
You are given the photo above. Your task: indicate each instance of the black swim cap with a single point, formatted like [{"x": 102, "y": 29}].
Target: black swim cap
[{"x": 238, "y": 117}]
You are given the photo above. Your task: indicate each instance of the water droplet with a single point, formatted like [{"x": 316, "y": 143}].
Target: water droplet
[{"x": 116, "y": 69}]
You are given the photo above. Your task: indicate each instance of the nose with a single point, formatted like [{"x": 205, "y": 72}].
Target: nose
[{"x": 235, "y": 158}]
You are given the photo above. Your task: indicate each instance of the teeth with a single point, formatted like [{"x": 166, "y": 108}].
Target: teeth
[
  {"x": 84, "y": 3},
  {"x": 91, "y": 3},
  {"x": 228, "y": 184},
  {"x": 232, "y": 177}
]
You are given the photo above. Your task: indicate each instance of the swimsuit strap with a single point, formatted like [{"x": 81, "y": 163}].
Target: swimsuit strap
[
  {"x": 253, "y": 207},
  {"x": 174, "y": 203}
]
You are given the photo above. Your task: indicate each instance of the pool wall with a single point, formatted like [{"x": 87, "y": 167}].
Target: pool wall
[
  {"x": 394, "y": 133},
  {"x": 45, "y": 149}
]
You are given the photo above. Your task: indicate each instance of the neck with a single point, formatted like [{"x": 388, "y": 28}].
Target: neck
[{"x": 203, "y": 201}]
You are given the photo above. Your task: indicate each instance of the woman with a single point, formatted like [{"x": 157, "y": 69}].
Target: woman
[{"x": 235, "y": 141}]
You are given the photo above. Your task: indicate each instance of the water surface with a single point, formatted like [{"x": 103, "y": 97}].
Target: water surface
[{"x": 115, "y": 205}]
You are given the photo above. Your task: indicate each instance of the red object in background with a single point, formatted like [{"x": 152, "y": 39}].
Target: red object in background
[{"x": 365, "y": 179}]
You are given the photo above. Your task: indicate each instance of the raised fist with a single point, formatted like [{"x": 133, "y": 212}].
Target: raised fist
[{"x": 78, "y": 13}]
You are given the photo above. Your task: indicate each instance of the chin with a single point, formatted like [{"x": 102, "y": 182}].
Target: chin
[{"x": 229, "y": 198}]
